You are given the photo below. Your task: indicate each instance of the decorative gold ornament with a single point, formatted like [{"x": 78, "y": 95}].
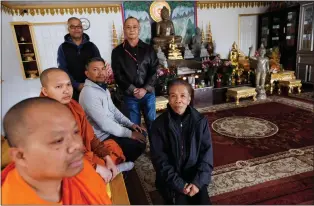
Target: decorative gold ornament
[
  {"x": 16, "y": 10},
  {"x": 122, "y": 36},
  {"x": 155, "y": 9},
  {"x": 209, "y": 33},
  {"x": 114, "y": 36},
  {"x": 231, "y": 4},
  {"x": 203, "y": 36}
]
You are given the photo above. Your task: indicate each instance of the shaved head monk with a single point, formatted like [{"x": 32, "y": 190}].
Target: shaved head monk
[
  {"x": 47, "y": 157},
  {"x": 104, "y": 156}
]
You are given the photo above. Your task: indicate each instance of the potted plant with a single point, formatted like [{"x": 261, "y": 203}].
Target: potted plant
[{"x": 164, "y": 75}]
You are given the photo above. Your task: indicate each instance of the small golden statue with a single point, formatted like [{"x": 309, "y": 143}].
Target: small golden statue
[
  {"x": 234, "y": 55},
  {"x": 174, "y": 53},
  {"x": 32, "y": 73},
  {"x": 28, "y": 55},
  {"x": 165, "y": 31},
  {"x": 22, "y": 39},
  {"x": 275, "y": 60}
]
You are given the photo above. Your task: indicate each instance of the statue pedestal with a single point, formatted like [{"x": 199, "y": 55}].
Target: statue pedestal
[
  {"x": 261, "y": 94},
  {"x": 185, "y": 63}
]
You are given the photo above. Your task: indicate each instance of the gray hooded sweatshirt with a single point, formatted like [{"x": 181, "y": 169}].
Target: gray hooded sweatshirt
[{"x": 102, "y": 114}]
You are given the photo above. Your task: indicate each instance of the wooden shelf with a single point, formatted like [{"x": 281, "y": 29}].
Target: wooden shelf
[{"x": 26, "y": 31}]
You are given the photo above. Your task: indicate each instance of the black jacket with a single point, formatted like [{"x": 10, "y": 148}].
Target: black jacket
[
  {"x": 165, "y": 145},
  {"x": 130, "y": 73},
  {"x": 72, "y": 58}
]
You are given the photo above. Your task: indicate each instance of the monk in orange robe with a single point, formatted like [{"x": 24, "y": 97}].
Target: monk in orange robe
[
  {"x": 47, "y": 153},
  {"x": 56, "y": 84}
]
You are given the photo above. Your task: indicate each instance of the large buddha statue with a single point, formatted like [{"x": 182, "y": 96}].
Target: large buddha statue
[{"x": 165, "y": 31}]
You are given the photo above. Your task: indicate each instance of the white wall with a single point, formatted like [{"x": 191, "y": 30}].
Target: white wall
[
  {"x": 224, "y": 25},
  {"x": 14, "y": 87},
  {"x": 100, "y": 31}
]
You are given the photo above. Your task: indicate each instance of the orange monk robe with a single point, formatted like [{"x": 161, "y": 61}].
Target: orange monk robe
[
  {"x": 95, "y": 150},
  {"x": 86, "y": 188}
]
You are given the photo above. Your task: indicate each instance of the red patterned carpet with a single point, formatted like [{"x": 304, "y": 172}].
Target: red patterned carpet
[
  {"x": 272, "y": 170},
  {"x": 295, "y": 131}
]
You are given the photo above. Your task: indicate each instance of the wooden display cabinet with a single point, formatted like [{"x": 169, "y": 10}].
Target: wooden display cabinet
[{"x": 23, "y": 34}]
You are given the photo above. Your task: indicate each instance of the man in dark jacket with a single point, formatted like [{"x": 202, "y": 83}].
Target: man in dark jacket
[
  {"x": 134, "y": 66},
  {"x": 181, "y": 149},
  {"x": 74, "y": 53}
]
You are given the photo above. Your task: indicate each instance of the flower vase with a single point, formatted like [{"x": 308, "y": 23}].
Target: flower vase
[
  {"x": 211, "y": 78},
  {"x": 229, "y": 80},
  {"x": 218, "y": 84},
  {"x": 164, "y": 90}
]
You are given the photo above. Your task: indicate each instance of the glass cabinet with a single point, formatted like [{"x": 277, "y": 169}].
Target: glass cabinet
[
  {"x": 280, "y": 29},
  {"x": 305, "y": 53},
  {"x": 307, "y": 28},
  {"x": 264, "y": 31},
  {"x": 291, "y": 25}
]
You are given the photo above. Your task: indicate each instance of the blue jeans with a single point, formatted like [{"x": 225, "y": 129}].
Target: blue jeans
[{"x": 134, "y": 107}]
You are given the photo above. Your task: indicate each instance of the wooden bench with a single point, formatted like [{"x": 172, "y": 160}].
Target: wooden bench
[
  {"x": 291, "y": 84},
  {"x": 241, "y": 92},
  {"x": 116, "y": 188}
]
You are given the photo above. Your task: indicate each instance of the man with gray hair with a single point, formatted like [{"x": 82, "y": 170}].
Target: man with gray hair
[{"x": 74, "y": 52}]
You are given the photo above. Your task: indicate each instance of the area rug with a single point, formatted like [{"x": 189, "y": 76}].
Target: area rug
[
  {"x": 304, "y": 96},
  {"x": 244, "y": 127},
  {"x": 277, "y": 169}
]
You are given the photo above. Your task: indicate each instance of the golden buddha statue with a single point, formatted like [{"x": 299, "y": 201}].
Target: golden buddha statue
[
  {"x": 234, "y": 55},
  {"x": 234, "y": 58},
  {"x": 174, "y": 52},
  {"x": 165, "y": 30}
]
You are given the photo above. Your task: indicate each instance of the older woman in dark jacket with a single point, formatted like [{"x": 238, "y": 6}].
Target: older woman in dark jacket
[{"x": 181, "y": 149}]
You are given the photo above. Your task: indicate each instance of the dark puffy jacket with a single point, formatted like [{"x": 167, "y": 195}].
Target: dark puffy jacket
[
  {"x": 72, "y": 58},
  {"x": 129, "y": 73},
  {"x": 165, "y": 143}
]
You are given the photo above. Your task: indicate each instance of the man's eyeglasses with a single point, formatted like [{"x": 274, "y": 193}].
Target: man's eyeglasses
[{"x": 75, "y": 27}]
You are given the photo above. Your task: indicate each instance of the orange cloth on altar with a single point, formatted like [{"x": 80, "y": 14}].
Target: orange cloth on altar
[
  {"x": 94, "y": 149},
  {"x": 86, "y": 188}
]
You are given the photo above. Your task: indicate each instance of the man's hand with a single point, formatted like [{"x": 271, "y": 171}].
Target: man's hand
[
  {"x": 138, "y": 136},
  {"x": 192, "y": 190},
  {"x": 111, "y": 166},
  {"x": 104, "y": 173},
  {"x": 80, "y": 87},
  {"x": 186, "y": 190},
  {"x": 139, "y": 93},
  {"x": 138, "y": 128}
]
